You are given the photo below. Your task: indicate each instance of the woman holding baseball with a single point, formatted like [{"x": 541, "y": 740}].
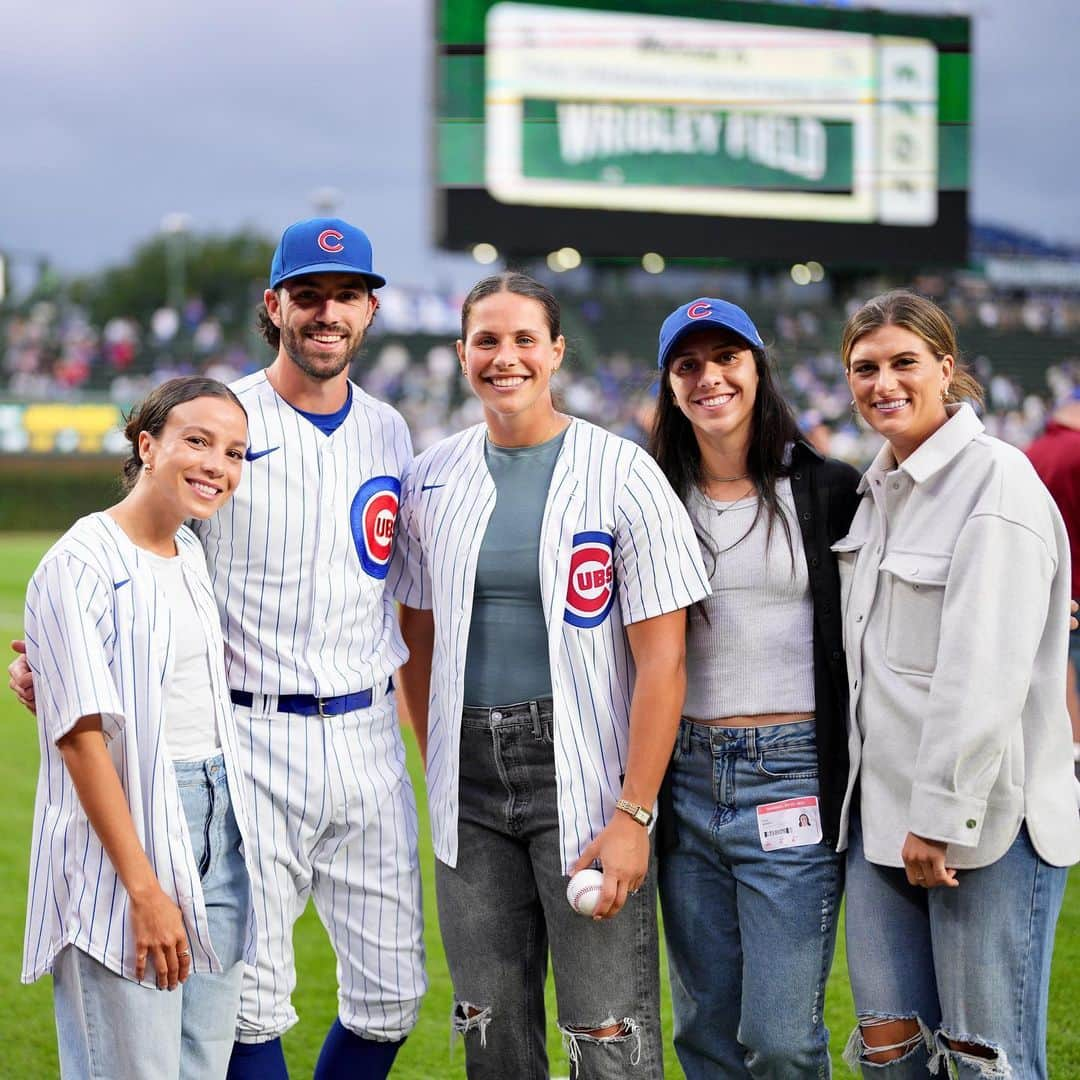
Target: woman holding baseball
[
  {"x": 137, "y": 883},
  {"x": 961, "y": 807},
  {"x": 750, "y": 879},
  {"x": 544, "y": 566}
]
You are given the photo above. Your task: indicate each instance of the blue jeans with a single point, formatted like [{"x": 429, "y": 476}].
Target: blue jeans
[
  {"x": 750, "y": 933},
  {"x": 109, "y": 1026},
  {"x": 504, "y": 905},
  {"x": 970, "y": 963}
]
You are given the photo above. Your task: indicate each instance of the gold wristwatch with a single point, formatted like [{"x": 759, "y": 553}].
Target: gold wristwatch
[{"x": 638, "y": 813}]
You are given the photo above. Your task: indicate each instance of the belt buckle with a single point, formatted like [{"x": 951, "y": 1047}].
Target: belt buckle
[{"x": 319, "y": 701}]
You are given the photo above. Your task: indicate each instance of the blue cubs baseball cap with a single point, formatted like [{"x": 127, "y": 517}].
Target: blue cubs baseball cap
[
  {"x": 323, "y": 245},
  {"x": 705, "y": 312}
]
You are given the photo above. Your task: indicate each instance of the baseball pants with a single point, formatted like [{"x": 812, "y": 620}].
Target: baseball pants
[{"x": 333, "y": 817}]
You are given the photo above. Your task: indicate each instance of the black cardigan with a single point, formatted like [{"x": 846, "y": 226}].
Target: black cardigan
[
  {"x": 825, "y": 497},
  {"x": 825, "y": 501}
]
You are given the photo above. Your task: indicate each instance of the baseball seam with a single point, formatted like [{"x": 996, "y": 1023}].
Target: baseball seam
[{"x": 579, "y": 896}]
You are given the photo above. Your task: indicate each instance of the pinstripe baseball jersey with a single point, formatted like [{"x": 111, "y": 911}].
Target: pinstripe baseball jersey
[
  {"x": 616, "y": 547},
  {"x": 299, "y": 555},
  {"x": 99, "y": 639}
]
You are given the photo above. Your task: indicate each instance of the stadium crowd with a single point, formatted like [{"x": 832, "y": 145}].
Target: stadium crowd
[{"x": 50, "y": 350}]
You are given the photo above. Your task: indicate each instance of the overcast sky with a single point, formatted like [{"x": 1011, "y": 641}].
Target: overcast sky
[{"x": 117, "y": 113}]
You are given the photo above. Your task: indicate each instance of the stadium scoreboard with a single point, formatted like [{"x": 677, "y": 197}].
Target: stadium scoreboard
[{"x": 758, "y": 132}]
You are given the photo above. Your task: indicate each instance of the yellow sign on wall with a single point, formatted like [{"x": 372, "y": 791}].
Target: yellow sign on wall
[{"x": 72, "y": 428}]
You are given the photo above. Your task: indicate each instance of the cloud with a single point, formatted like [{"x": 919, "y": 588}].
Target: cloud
[{"x": 118, "y": 113}]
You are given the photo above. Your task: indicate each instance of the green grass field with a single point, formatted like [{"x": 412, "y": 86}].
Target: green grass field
[{"x": 26, "y": 1024}]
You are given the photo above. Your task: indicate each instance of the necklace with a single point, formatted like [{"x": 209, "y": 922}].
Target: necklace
[
  {"x": 724, "y": 479},
  {"x": 720, "y": 510}
]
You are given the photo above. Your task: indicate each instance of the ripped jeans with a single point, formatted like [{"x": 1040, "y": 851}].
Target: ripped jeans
[
  {"x": 503, "y": 907},
  {"x": 971, "y": 964}
]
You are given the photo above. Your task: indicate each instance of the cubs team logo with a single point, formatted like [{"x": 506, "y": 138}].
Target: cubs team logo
[
  {"x": 330, "y": 240},
  {"x": 590, "y": 591},
  {"x": 699, "y": 309},
  {"x": 372, "y": 516}
]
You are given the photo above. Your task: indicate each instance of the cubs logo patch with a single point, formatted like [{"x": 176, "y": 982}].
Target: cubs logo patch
[
  {"x": 330, "y": 240},
  {"x": 590, "y": 592},
  {"x": 372, "y": 517},
  {"x": 699, "y": 309}
]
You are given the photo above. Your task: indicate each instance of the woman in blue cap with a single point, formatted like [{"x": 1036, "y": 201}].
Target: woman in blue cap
[{"x": 750, "y": 891}]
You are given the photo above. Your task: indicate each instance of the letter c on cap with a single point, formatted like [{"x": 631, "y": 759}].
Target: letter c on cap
[
  {"x": 330, "y": 240},
  {"x": 700, "y": 309}
]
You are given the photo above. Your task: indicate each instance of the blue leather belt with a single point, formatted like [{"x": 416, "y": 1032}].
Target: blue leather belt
[{"x": 310, "y": 705}]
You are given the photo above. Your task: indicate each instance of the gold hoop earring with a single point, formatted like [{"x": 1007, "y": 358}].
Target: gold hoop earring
[{"x": 148, "y": 469}]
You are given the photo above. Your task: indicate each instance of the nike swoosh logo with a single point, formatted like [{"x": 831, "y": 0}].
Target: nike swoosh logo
[
  {"x": 430, "y": 487},
  {"x": 120, "y": 584},
  {"x": 254, "y": 455}
]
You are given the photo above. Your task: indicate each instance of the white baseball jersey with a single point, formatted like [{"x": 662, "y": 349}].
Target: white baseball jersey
[
  {"x": 299, "y": 559},
  {"x": 100, "y": 640},
  {"x": 299, "y": 555},
  {"x": 616, "y": 547}
]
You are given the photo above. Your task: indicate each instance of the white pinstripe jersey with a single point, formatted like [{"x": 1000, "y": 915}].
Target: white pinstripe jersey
[
  {"x": 299, "y": 555},
  {"x": 616, "y": 547},
  {"x": 99, "y": 638}
]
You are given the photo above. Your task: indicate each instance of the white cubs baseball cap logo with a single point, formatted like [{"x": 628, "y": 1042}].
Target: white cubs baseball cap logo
[
  {"x": 330, "y": 240},
  {"x": 590, "y": 591},
  {"x": 373, "y": 515}
]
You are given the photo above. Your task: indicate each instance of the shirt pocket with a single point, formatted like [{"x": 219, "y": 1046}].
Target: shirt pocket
[
  {"x": 847, "y": 554},
  {"x": 916, "y": 592}
]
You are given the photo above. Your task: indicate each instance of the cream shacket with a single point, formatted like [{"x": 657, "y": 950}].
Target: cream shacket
[{"x": 955, "y": 587}]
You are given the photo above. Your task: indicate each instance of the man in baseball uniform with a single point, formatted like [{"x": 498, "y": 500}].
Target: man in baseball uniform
[{"x": 299, "y": 560}]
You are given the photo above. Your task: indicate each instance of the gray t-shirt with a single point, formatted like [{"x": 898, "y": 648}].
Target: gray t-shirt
[
  {"x": 507, "y": 657},
  {"x": 751, "y": 651}
]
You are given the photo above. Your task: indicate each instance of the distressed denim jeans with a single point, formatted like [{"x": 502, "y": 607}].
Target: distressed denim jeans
[
  {"x": 503, "y": 908},
  {"x": 750, "y": 933},
  {"x": 109, "y": 1026},
  {"x": 970, "y": 963}
]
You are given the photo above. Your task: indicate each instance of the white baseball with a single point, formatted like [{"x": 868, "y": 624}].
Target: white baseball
[{"x": 583, "y": 892}]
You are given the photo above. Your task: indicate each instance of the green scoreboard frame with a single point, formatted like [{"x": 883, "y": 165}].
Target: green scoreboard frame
[{"x": 702, "y": 129}]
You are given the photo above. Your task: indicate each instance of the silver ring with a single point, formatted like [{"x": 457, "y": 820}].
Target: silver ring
[{"x": 186, "y": 952}]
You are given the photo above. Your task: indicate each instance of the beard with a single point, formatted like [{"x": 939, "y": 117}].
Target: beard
[{"x": 323, "y": 367}]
